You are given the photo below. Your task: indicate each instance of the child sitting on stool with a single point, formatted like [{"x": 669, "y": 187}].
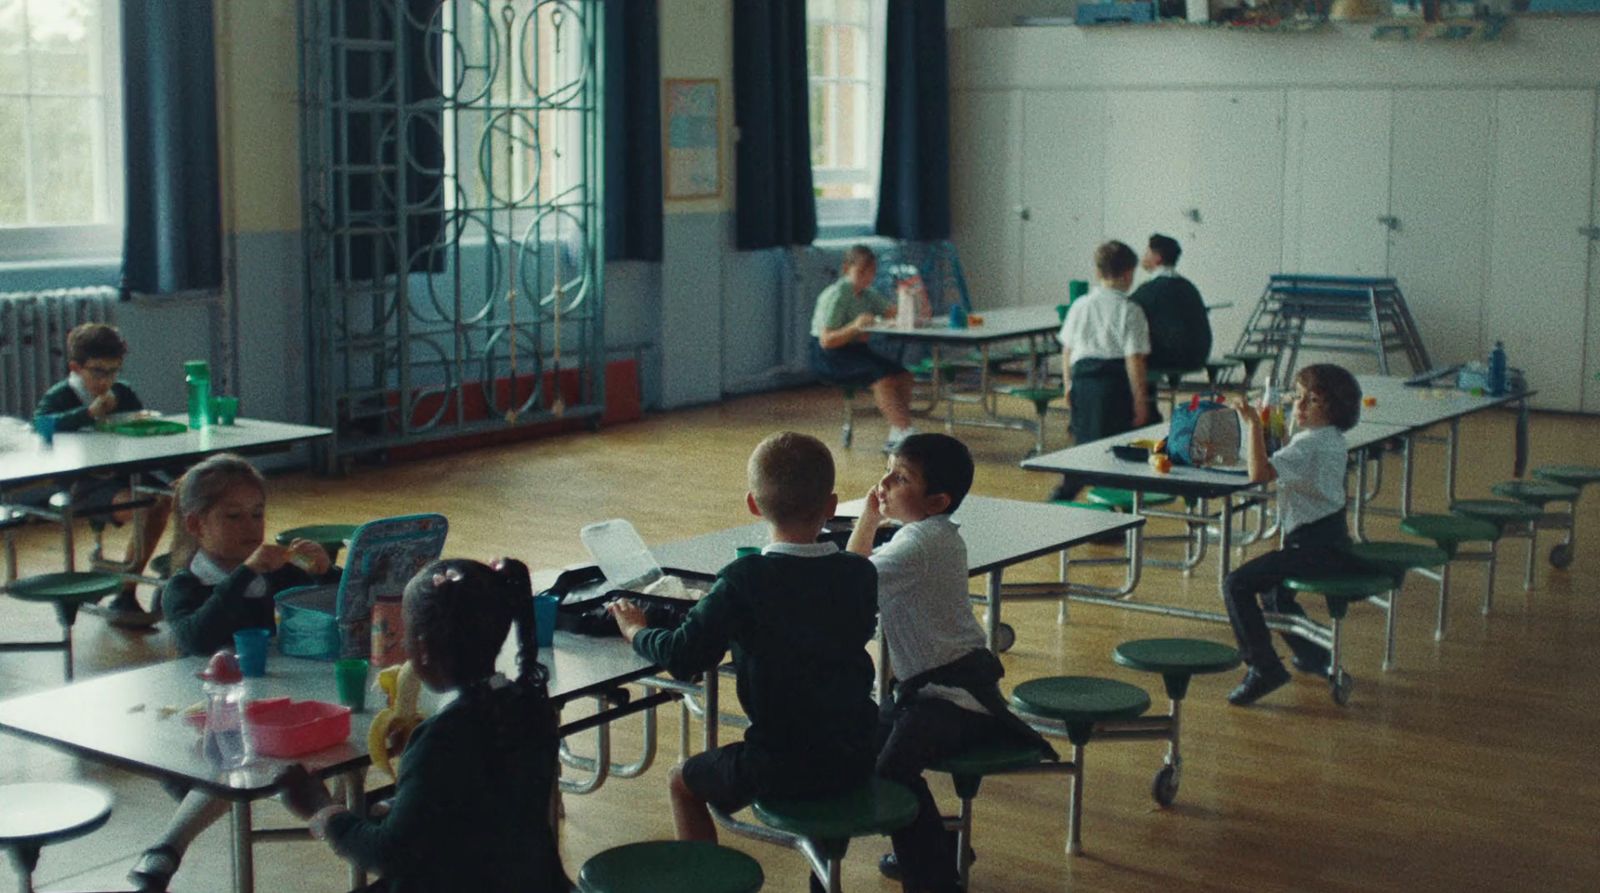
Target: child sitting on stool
[
  {"x": 948, "y": 700},
  {"x": 839, "y": 350},
  {"x": 1310, "y": 471}
]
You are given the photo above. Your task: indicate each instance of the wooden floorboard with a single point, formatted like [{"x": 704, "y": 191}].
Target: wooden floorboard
[{"x": 1469, "y": 766}]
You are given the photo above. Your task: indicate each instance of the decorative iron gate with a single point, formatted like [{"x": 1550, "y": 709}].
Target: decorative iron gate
[{"x": 451, "y": 194}]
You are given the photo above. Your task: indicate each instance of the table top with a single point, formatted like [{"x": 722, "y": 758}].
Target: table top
[
  {"x": 78, "y": 452},
  {"x": 126, "y": 720},
  {"x": 1421, "y": 407},
  {"x": 998, "y": 325},
  {"x": 998, "y": 533}
]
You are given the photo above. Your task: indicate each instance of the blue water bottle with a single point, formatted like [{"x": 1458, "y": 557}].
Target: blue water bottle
[
  {"x": 958, "y": 317},
  {"x": 197, "y": 379},
  {"x": 1497, "y": 369}
]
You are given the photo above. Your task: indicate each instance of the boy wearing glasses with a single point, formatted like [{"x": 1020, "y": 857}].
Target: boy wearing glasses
[{"x": 90, "y": 393}]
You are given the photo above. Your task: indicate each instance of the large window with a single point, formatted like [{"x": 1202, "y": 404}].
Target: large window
[
  {"x": 844, "y": 50},
  {"x": 60, "y": 129}
]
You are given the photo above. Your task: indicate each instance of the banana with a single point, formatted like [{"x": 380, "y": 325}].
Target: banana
[{"x": 396, "y": 722}]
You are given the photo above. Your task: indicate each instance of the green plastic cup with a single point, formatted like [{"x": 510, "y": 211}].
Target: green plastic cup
[
  {"x": 1061, "y": 312},
  {"x": 350, "y": 678},
  {"x": 224, "y": 410},
  {"x": 1076, "y": 289}
]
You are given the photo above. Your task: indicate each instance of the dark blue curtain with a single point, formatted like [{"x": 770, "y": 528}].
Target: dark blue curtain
[
  {"x": 633, "y": 130},
  {"x": 914, "y": 190},
  {"x": 173, "y": 236},
  {"x": 771, "y": 96}
]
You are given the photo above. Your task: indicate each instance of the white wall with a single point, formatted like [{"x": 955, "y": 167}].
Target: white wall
[{"x": 1291, "y": 149}]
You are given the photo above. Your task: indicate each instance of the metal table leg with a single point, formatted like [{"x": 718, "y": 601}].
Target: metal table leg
[{"x": 244, "y": 869}]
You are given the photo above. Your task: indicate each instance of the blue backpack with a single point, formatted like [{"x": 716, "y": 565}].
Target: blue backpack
[{"x": 1204, "y": 431}]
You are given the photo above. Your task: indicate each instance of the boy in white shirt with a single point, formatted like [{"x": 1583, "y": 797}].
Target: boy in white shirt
[
  {"x": 948, "y": 699},
  {"x": 1310, "y": 471}
]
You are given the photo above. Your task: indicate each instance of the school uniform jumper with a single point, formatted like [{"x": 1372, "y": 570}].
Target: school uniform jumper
[
  {"x": 855, "y": 363},
  {"x": 471, "y": 807},
  {"x": 1316, "y": 542},
  {"x": 67, "y": 402},
  {"x": 1102, "y": 329},
  {"x": 205, "y": 605},
  {"x": 798, "y": 619},
  {"x": 1180, "y": 328},
  {"x": 949, "y": 700}
]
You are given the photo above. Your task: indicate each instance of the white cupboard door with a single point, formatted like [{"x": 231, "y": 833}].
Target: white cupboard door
[
  {"x": 984, "y": 193},
  {"x": 1337, "y": 198},
  {"x": 1237, "y": 196},
  {"x": 1591, "y": 368},
  {"x": 1443, "y": 152},
  {"x": 1063, "y": 184},
  {"x": 1539, "y": 259},
  {"x": 1149, "y": 139}
]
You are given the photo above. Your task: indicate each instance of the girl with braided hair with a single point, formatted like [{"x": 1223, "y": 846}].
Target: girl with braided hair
[{"x": 471, "y": 809}]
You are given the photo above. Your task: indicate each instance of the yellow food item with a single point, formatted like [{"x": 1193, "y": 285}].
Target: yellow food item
[
  {"x": 393, "y": 725},
  {"x": 1161, "y": 462}
]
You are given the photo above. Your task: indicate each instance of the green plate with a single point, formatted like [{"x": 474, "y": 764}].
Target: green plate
[{"x": 146, "y": 428}]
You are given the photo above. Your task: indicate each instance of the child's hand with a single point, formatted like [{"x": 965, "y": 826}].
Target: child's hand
[
  {"x": 1247, "y": 413},
  {"x": 864, "y": 320},
  {"x": 629, "y": 616},
  {"x": 310, "y": 557},
  {"x": 267, "y": 558},
  {"x": 300, "y": 791},
  {"x": 103, "y": 405}
]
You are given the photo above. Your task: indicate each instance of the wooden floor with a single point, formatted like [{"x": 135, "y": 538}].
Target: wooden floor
[{"x": 1472, "y": 765}]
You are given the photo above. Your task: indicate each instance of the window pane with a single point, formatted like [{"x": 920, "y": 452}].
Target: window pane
[
  {"x": 13, "y": 64},
  {"x": 13, "y": 190},
  {"x": 850, "y": 98},
  {"x": 814, "y": 38},
  {"x": 63, "y": 136},
  {"x": 851, "y": 65},
  {"x": 819, "y": 135},
  {"x": 62, "y": 35},
  {"x": 820, "y": 9}
]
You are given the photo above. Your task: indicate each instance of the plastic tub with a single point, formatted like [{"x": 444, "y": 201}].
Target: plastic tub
[{"x": 281, "y": 727}]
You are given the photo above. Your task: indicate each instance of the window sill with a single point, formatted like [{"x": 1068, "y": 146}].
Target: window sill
[{"x": 842, "y": 234}]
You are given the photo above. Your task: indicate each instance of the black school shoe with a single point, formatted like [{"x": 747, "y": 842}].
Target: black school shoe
[
  {"x": 1257, "y": 684},
  {"x": 889, "y": 866},
  {"x": 1314, "y": 666}
]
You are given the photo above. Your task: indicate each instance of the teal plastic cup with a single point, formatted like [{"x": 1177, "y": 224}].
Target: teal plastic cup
[
  {"x": 350, "y": 680},
  {"x": 250, "y": 646},
  {"x": 544, "y": 617},
  {"x": 224, "y": 409}
]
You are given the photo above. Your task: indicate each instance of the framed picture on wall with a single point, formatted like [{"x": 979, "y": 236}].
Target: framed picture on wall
[{"x": 693, "y": 138}]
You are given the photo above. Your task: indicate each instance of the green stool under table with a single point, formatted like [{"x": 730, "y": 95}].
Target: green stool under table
[
  {"x": 966, "y": 771},
  {"x": 670, "y": 866},
  {"x": 1578, "y": 476},
  {"x": 1450, "y": 532},
  {"x": 67, "y": 592},
  {"x": 1515, "y": 519},
  {"x": 1123, "y": 500},
  {"x": 34, "y": 815},
  {"x": 1397, "y": 558},
  {"x": 1177, "y": 660},
  {"x": 1251, "y": 361},
  {"x": 1070, "y": 707},
  {"x": 1539, "y": 494},
  {"x": 1041, "y": 399},
  {"x": 821, "y": 828},
  {"x": 331, "y": 537},
  {"x": 1338, "y": 591}
]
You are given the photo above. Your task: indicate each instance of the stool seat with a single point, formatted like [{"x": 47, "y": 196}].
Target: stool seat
[
  {"x": 1535, "y": 492},
  {"x": 1397, "y": 558},
  {"x": 1036, "y": 395},
  {"x": 671, "y": 866},
  {"x": 1449, "y": 531},
  {"x": 1080, "y": 699},
  {"x": 40, "y": 813},
  {"x": 1498, "y": 511},
  {"x": 990, "y": 759},
  {"x": 331, "y": 537},
  {"x": 1344, "y": 587},
  {"x": 876, "y": 807},
  {"x": 1123, "y": 499},
  {"x": 1214, "y": 370},
  {"x": 1186, "y": 656},
  {"x": 1571, "y": 475},
  {"x": 1079, "y": 504},
  {"x": 75, "y": 586}
]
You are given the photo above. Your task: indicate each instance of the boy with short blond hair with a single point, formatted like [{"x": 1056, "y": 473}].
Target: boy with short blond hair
[{"x": 797, "y": 617}]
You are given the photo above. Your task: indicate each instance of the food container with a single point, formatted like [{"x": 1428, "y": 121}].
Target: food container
[{"x": 280, "y": 727}]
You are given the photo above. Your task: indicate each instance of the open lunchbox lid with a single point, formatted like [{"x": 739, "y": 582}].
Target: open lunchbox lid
[{"x": 622, "y": 556}]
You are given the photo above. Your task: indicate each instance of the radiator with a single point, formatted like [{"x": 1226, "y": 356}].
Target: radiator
[{"x": 33, "y": 339}]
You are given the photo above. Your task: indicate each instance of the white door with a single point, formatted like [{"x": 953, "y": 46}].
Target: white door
[
  {"x": 1149, "y": 139},
  {"x": 1063, "y": 185},
  {"x": 1439, "y": 250},
  {"x": 1539, "y": 259},
  {"x": 1234, "y": 221},
  {"x": 1337, "y": 179},
  {"x": 984, "y": 196},
  {"x": 1591, "y": 367}
]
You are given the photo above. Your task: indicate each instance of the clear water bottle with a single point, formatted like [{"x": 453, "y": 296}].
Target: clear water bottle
[
  {"x": 227, "y": 739},
  {"x": 197, "y": 378},
  {"x": 1497, "y": 369}
]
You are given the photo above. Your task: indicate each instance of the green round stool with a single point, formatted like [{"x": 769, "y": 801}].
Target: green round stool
[
  {"x": 1396, "y": 559},
  {"x": 1041, "y": 398},
  {"x": 1540, "y": 493},
  {"x": 879, "y": 806},
  {"x": 67, "y": 592},
  {"x": 1579, "y": 476},
  {"x": 1177, "y": 660},
  {"x": 331, "y": 537},
  {"x": 1122, "y": 500},
  {"x": 34, "y": 815},
  {"x": 670, "y": 866},
  {"x": 1078, "y": 702},
  {"x": 1251, "y": 361},
  {"x": 1450, "y": 532},
  {"x": 1215, "y": 371},
  {"x": 966, "y": 771},
  {"x": 1339, "y": 592},
  {"x": 1512, "y": 517}
]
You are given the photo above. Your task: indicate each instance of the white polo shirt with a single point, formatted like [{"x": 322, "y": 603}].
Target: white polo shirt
[
  {"x": 1311, "y": 476},
  {"x": 1105, "y": 325}
]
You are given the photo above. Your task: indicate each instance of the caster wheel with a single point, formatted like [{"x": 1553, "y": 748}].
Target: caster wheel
[
  {"x": 1339, "y": 686},
  {"x": 1164, "y": 789},
  {"x": 1561, "y": 556},
  {"x": 1004, "y": 638}
]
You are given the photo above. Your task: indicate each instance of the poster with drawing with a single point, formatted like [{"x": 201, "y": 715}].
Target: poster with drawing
[{"x": 693, "y": 139}]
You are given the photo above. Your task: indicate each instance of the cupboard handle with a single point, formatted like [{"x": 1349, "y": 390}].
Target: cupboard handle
[
  {"x": 1390, "y": 221},
  {"x": 1589, "y": 232}
]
